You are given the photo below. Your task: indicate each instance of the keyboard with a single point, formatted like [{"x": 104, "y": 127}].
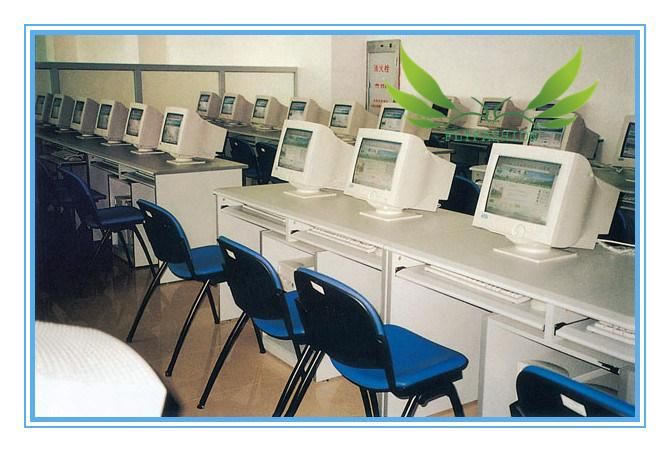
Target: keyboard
[
  {"x": 344, "y": 240},
  {"x": 612, "y": 331},
  {"x": 67, "y": 155},
  {"x": 476, "y": 284}
]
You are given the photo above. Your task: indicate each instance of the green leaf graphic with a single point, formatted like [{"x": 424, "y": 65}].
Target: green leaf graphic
[
  {"x": 558, "y": 83},
  {"x": 413, "y": 103},
  {"x": 423, "y": 83},
  {"x": 569, "y": 104},
  {"x": 559, "y": 123},
  {"x": 425, "y": 123}
]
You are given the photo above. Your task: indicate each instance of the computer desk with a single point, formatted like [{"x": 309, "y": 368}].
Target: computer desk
[
  {"x": 495, "y": 335},
  {"x": 185, "y": 190}
]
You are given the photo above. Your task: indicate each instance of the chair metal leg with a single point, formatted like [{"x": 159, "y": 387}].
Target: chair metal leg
[
  {"x": 297, "y": 374},
  {"x": 145, "y": 301},
  {"x": 410, "y": 407},
  {"x": 452, "y": 393},
  {"x": 212, "y": 305},
  {"x": 304, "y": 386},
  {"x": 185, "y": 328},
  {"x": 107, "y": 234},
  {"x": 374, "y": 403},
  {"x": 259, "y": 338},
  {"x": 122, "y": 239},
  {"x": 366, "y": 402},
  {"x": 145, "y": 249},
  {"x": 225, "y": 351}
]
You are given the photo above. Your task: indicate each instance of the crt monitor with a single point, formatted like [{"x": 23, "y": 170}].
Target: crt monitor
[
  {"x": 542, "y": 199},
  {"x": 499, "y": 113},
  {"x": 304, "y": 109},
  {"x": 268, "y": 113},
  {"x": 209, "y": 104},
  {"x": 43, "y": 106},
  {"x": 83, "y": 115},
  {"x": 575, "y": 137},
  {"x": 61, "y": 111},
  {"x": 347, "y": 117},
  {"x": 453, "y": 117},
  {"x": 111, "y": 123},
  {"x": 393, "y": 171},
  {"x": 235, "y": 108},
  {"x": 311, "y": 157},
  {"x": 189, "y": 138},
  {"x": 394, "y": 117},
  {"x": 143, "y": 127},
  {"x": 626, "y": 144}
]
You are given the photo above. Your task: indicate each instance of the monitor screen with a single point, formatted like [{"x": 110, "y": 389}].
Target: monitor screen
[
  {"x": 522, "y": 189},
  {"x": 490, "y": 106},
  {"x": 392, "y": 119},
  {"x": 203, "y": 103},
  {"x": 55, "y": 108},
  {"x": 259, "y": 108},
  {"x": 134, "y": 121},
  {"x": 39, "y": 104},
  {"x": 375, "y": 164},
  {"x": 103, "y": 116},
  {"x": 227, "y": 105},
  {"x": 297, "y": 110},
  {"x": 171, "y": 128},
  {"x": 628, "y": 147},
  {"x": 443, "y": 110},
  {"x": 340, "y": 117},
  {"x": 294, "y": 149},
  {"x": 78, "y": 110},
  {"x": 540, "y": 135}
]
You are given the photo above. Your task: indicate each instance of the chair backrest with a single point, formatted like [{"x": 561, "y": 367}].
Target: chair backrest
[
  {"x": 622, "y": 228},
  {"x": 241, "y": 152},
  {"x": 463, "y": 196},
  {"x": 254, "y": 283},
  {"x": 544, "y": 393},
  {"x": 342, "y": 323},
  {"x": 166, "y": 235},
  {"x": 265, "y": 153},
  {"x": 82, "y": 198}
]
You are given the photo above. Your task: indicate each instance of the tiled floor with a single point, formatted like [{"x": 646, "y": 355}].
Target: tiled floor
[{"x": 250, "y": 382}]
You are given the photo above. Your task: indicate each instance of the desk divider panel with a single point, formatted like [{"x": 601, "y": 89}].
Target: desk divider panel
[
  {"x": 43, "y": 81},
  {"x": 98, "y": 84},
  {"x": 250, "y": 84},
  {"x": 161, "y": 89}
]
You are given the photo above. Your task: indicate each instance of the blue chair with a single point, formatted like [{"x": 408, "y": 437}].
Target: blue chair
[
  {"x": 107, "y": 220},
  {"x": 463, "y": 196},
  {"x": 258, "y": 292},
  {"x": 376, "y": 357},
  {"x": 242, "y": 152},
  {"x": 171, "y": 246},
  {"x": 266, "y": 153},
  {"x": 544, "y": 393},
  {"x": 622, "y": 228}
]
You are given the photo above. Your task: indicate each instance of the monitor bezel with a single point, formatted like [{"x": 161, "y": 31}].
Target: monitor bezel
[
  {"x": 620, "y": 160},
  {"x": 132, "y": 107}
]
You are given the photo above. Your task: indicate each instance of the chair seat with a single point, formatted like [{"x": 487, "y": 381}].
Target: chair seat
[
  {"x": 207, "y": 263},
  {"x": 415, "y": 360},
  {"x": 120, "y": 217},
  {"x": 277, "y": 327}
]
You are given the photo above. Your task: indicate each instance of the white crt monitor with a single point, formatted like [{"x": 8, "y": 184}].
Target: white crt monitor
[
  {"x": 111, "y": 123},
  {"x": 311, "y": 157},
  {"x": 626, "y": 143},
  {"x": 84, "y": 115},
  {"x": 143, "y": 127},
  {"x": 393, "y": 171},
  {"x": 495, "y": 107},
  {"x": 61, "y": 111},
  {"x": 43, "y": 106},
  {"x": 541, "y": 199},
  {"x": 452, "y": 117},
  {"x": 347, "y": 117},
  {"x": 303, "y": 109},
  {"x": 185, "y": 135},
  {"x": 235, "y": 108},
  {"x": 268, "y": 112},
  {"x": 394, "y": 117},
  {"x": 575, "y": 137},
  {"x": 209, "y": 104}
]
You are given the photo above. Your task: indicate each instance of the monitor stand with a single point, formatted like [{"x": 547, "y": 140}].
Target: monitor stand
[
  {"x": 310, "y": 194},
  {"x": 115, "y": 143},
  {"x": 537, "y": 255},
  {"x": 390, "y": 216},
  {"x": 146, "y": 151},
  {"x": 66, "y": 131},
  {"x": 185, "y": 162},
  {"x": 86, "y": 136}
]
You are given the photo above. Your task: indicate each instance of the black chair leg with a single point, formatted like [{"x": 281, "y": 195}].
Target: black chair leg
[
  {"x": 304, "y": 386},
  {"x": 452, "y": 393},
  {"x": 297, "y": 374},
  {"x": 410, "y": 407},
  {"x": 106, "y": 235},
  {"x": 145, "y": 301},
  {"x": 259, "y": 338},
  {"x": 366, "y": 402},
  {"x": 225, "y": 351},
  {"x": 185, "y": 328},
  {"x": 126, "y": 249},
  {"x": 212, "y": 305},
  {"x": 145, "y": 249},
  {"x": 374, "y": 403}
]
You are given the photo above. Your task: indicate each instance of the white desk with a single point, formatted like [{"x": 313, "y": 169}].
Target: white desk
[{"x": 597, "y": 285}]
